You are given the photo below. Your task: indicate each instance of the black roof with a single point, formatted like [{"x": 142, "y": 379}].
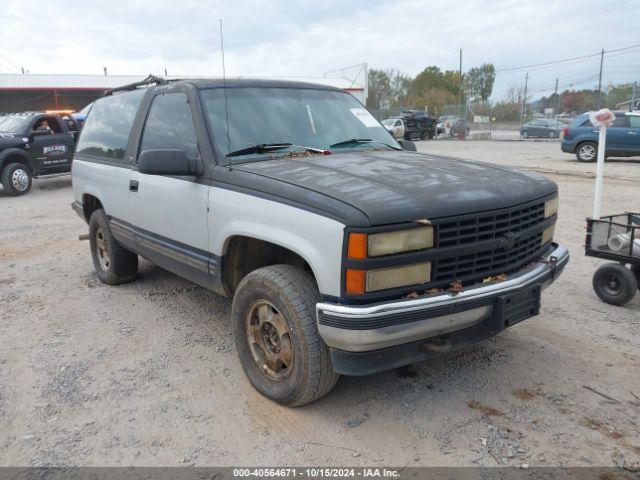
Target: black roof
[
  {"x": 249, "y": 82},
  {"x": 25, "y": 114},
  {"x": 204, "y": 83}
]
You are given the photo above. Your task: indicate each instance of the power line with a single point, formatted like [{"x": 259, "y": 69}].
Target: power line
[{"x": 565, "y": 60}]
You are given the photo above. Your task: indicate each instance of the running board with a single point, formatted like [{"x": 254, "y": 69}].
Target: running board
[{"x": 53, "y": 175}]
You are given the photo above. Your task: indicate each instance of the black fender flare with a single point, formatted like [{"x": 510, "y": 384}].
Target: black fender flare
[{"x": 16, "y": 152}]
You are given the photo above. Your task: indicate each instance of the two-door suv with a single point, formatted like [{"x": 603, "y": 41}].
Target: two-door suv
[{"x": 343, "y": 252}]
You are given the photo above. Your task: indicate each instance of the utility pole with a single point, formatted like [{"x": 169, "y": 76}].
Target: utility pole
[
  {"x": 460, "y": 76},
  {"x": 557, "y": 109},
  {"x": 600, "y": 78},
  {"x": 524, "y": 100}
]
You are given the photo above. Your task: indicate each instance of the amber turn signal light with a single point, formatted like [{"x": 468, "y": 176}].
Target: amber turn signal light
[
  {"x": 355, "y": 281},
  {"x": 357, "y": 246}
]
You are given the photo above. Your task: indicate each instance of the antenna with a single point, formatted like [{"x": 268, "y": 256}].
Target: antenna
[
  {"x": 224, "y": 85},
  {"x": 164, "y": 58}
]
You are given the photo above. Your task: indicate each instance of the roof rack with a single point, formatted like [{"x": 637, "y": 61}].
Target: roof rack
[{"x": 150, "y": 80}]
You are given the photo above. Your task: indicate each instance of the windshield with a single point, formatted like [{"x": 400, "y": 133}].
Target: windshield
[
  {"x": 389, "y": 121},
  {"x": 301, "y": 117},
  {"x": 14, "y": 124}
]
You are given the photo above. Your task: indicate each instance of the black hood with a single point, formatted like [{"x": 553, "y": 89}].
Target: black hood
[{"x": 395, "y": 187}]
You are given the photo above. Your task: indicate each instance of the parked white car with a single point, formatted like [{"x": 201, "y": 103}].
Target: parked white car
[{"x": 395, "y": 127}]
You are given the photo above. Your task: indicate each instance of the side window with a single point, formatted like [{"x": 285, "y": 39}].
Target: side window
[
  {"x": 622, "y": 121},
  {"x": 169, "y": 126},
  {"x": 106, "y": 130},
  {"x": 634, "y": 121}
]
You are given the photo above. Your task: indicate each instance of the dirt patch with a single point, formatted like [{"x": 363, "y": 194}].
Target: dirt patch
[
  {"x": 524, "y": 394},
  {"x": 486, "y": 409}
]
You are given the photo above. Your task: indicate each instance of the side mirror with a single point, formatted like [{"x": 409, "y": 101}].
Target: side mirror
[
  {"x": 408, "y": 145},
  {"x": 166, "y": 162}
]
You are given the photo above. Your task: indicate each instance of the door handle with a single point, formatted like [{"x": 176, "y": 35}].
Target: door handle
[
  {"x": 133, "y": 185},
  {"x": 632, "y": 133}
]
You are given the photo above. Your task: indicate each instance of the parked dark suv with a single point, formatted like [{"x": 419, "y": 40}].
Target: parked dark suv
[{"x": 623, "y": 137}]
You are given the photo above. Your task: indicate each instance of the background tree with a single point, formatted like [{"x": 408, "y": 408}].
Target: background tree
[{"x": 479, "y": 82}]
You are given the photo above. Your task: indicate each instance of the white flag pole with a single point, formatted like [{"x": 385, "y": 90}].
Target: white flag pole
[
  {"x": 602, "y": 118},
  {"x": 597, "y": 201}
]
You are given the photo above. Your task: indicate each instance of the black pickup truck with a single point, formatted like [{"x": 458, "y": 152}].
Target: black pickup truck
[
  {"x": 418, "y": 125},
  {"x": 32, "y": 145}
]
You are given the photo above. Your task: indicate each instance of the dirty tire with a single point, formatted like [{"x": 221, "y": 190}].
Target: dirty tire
[
  {"x": 635, "y": 269},
  {"x": 16, "y": 179},
  {"x": 294, "y": 294},
  {"x": 113, "y": 263},
  {"x": 587, "y": 152},
  {"x": 615, "y": 284}
]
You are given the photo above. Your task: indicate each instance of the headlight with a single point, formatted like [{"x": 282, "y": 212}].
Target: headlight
[
  {"x": 551, "y": 207},
  {"x": 382, "y": 278},
  {"x": 401, "y": 241}
]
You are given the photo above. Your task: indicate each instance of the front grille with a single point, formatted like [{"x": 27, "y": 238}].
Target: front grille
[
  {"x": 489, "y": 226},
  {"x": 488, "y": 262}
]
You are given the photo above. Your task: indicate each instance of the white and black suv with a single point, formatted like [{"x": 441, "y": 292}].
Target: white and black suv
[{"x": 343, "y": 252}]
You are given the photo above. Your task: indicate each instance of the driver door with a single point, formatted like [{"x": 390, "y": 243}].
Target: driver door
[
  {"x": 171, "y": 212},
  {"x": 51, "y": 152}
]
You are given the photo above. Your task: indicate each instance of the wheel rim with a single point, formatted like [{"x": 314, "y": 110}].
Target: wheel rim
[
  {"x": 525, "y": 134},
  {"x": 551, "y": 134},
  {"x": 587, "y": 152},
  {"x": 612, "y": 285},
  {"x": 101, "y": 251},
  {"x": 269, "y": 340},
  {"x": 20, "y": 179}
]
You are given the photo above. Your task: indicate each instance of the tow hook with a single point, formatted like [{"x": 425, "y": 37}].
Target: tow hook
[
  {"x": 553, "y": 262},
  {"x": 437, "y": 345}
]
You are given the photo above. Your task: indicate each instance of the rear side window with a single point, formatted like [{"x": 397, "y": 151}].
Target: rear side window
[
  {"x": 169, "y": 126},
  {"x": 622, "y": 121},
  {"x": 634, "y": 121},
  {"x": 106, "y": 130}
]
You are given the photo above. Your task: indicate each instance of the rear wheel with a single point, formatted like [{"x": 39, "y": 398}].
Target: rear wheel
[
  {"x": 275, "y": 332},
  {"x": 552, "y": 134},
  {"x": 587, "y": 152},
  {"x": 16, "y": 179},
  {"x": 615, "y": 284},
  {"x": 525, "y": 134},
  {"x": 113, "y": 263}
]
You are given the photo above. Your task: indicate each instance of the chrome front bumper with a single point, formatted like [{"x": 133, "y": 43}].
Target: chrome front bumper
[{"x": 367, "y": 328}]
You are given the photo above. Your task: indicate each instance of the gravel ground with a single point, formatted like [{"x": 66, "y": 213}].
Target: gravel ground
[{"x": 147, "y": 374}]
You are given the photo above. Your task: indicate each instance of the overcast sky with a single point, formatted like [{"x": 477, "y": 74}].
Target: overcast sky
[{"x": 307, "y": 38}]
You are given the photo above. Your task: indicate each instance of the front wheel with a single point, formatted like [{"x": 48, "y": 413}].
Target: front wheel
[
  {"x": 525, "y": 134},
  {"x": 615, "y": 284},
  {"x": 587, "y": 152},
  {"x": 552, "y": 134},
  {"x": 16, "y": 179},
  {"x": 274, "y": 325}
]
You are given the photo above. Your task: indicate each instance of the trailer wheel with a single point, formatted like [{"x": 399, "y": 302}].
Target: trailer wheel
[
  {"x": 615, "y": 284},
  {"x": 635, "y": 269}
]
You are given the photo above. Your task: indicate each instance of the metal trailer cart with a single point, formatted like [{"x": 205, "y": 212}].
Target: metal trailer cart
[{"x": 616, "y": 238}]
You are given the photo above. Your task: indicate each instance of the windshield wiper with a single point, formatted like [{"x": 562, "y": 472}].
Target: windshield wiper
[
  {"x": 259, "y": 148},
  {"x": 271, "y": 147},
  {"x": 357, "y": 141}
]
